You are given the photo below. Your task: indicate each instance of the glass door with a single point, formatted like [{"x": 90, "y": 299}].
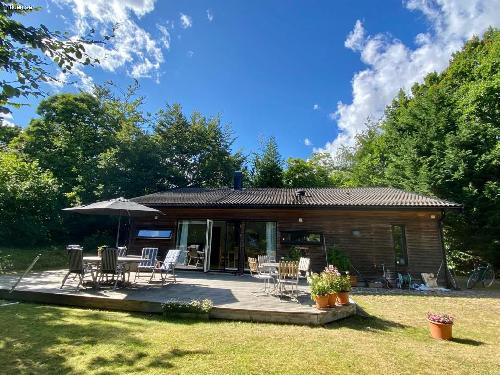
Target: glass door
[{"x": 208, "y": 245}]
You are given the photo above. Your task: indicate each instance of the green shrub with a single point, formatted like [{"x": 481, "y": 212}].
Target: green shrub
[
  {"x": 338, "y": 258},
  {"x": 5, "y": 263},
  {"x": 193, "y": 307}
]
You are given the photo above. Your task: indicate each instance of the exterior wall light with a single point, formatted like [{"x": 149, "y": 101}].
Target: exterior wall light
[{"x": 356, "y": 233}]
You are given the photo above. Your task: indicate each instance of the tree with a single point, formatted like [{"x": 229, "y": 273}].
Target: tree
[
  {"x": 7, "y": 133},
  {"x": 25, "y": 50},
  {"x": 444, "y": 140},
  {"x": 313, "y": 172},
  {"x": 268, "y": 166},
  {"x": 29, "y": 201},
  {"x": 68, "y": 139},
  {"x": 194, "y": 151}
]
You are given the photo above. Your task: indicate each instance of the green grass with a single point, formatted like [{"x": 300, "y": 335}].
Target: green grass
[
  {"x": 47, "y": 339},
  {"x": 53, "y": 257}
]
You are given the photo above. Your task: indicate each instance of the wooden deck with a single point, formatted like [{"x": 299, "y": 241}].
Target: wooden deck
[{"x": 234, "y": 297}]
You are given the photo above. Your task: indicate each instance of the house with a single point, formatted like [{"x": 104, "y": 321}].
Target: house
[{"x": 374, "y": 226}]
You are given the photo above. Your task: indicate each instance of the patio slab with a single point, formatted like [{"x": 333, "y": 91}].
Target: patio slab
[{"x": 235, "y": 297}]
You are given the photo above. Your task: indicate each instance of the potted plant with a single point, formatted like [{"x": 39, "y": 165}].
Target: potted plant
[
  {"x": 329, "y": 275},
  {"x": 342, "y": 286},
  {"x": 319, "y": 290},
  {"x": 440, "y": 325}
]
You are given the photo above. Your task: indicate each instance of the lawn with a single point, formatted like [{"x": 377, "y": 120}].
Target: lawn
[
  {"x": 48, "y": 339},
  {"x": 53, "y": 257}
]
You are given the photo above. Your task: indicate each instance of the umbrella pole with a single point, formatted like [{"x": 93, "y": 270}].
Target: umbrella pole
[{"x": 118, "y": 231}]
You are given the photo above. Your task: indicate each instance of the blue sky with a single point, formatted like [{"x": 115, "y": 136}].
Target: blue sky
[{"x": 308, "y": 73}]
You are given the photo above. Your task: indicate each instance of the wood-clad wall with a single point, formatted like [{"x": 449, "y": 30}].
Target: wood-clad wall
[{"x": 373, "y": 247}]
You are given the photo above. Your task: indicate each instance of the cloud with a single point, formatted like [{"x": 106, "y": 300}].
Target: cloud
[
  {"x": 6, "y": 119},
  {"x": 210, "y": 15},
  {"x": 190, "y": 54},
  {"x": 356, "y": 37},
  {"x": 186, "y": 21},
  {"x": 132, "y": 49},
  {"x": 308, "y": 142},
  {"x": 315, "y": 107},
  {"x": 392, "y": 65},
  {"x": 165, "y": 36}
]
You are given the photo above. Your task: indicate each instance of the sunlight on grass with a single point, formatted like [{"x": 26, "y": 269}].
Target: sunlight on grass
[{"x": 394, "y": 338}]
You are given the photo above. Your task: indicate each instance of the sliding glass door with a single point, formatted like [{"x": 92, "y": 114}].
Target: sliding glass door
[{"x": 260, "y": 239}]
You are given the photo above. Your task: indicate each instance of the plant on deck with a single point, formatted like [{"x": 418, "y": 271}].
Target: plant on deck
[
  {"x": 319, "y": 286},
  {"x": 194, "y": 306}
]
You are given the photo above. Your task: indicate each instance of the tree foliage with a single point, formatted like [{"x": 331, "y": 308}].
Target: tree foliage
[
  {"x": 267, "y": 168},
  {"x": 29, "y": 201},
  {"x": 25, "y": 52},
  {"x": 444, "y": 140}
]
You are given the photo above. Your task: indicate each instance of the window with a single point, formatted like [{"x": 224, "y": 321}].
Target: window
[
  {"x": 399, "y": 240},
  {"x": 301, "y": 238},
  {"x": 260, "y": 238},
  {"x": 164, "y": 234}
]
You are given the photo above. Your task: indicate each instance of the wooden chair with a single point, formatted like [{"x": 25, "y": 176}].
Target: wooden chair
[
  {"x": 193, "y": 254},
  {"x": 288, "y": 274},
  {"x": 149, "y": 258}
]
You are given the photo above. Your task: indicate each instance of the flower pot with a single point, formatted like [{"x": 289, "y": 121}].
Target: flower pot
[
  {"x": 440, "y": 331},
  {"x": 343, "y": 298},
  {"x": 332, "y": 299},
  {"x": 354, "y": 280},
  {"x": 322, "y": 302}
]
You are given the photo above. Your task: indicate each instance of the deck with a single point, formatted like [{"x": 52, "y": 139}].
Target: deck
[{"x": 234, "y": 297}]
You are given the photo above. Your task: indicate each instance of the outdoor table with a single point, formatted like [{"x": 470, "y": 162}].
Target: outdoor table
[{"x": 131, "y": 261}]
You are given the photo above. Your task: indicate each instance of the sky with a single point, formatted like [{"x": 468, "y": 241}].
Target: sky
[{"x": 308, "y": 73}]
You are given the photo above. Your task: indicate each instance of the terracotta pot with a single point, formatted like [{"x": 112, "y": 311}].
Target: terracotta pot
[
  {"x": 332, "y": 299},
  {"x": 354, "y": 280},
  {"x": 440, "y": 331},
  {"x": 322, "y": 302},
  {"x": 343, "y": 298}
]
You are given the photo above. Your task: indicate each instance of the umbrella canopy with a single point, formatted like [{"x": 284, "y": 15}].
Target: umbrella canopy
[{"x": 115, "y": 207}]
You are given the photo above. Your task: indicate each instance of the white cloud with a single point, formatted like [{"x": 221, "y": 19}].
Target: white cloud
[
  {"x": 210, "y": 15},
  {"x": 190, "y": 54},
  {"x": 186, "y": 21},
  {"x": 315, "y": 107},
  {"x": 308, "y": 142},
  {"x": 356, "y": 37},
  {"x": 165, "y": 36},
  {"x": 6, "y": 119},
  {"x": 132, "y": 48},
  {"x": 392, "y": 65}
]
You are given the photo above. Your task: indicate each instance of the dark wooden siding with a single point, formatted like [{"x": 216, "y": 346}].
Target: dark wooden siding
[{"x": 373, "y": 247}]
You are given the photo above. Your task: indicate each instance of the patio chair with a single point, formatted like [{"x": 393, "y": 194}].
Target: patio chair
[
  {"x": 76, "y": 267},
  {"x": 167, "y": 266},
  {"x": 256, "y": 273},
  {"x": 262, "y": 259},
  {"x": 110, "y": 266},
  {"x": 122, "y": 251},
  {"x": 193, "y": 254},
  {"x": 304, "y": 266},
  {"x": 288, "y": 274},
  {"x": 149, "y": 255}
]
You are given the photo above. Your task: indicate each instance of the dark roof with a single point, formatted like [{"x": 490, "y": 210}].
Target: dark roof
[{"x": 382, "y": 197}]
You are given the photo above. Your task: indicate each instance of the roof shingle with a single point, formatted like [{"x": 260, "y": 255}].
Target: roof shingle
[{"x": 287, "y": 197}]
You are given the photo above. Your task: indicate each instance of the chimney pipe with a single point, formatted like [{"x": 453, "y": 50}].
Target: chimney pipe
[{"x": 238, "y": 180}]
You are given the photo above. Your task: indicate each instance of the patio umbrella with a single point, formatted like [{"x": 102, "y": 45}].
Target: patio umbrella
[{"x": 115, "y": 207}]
